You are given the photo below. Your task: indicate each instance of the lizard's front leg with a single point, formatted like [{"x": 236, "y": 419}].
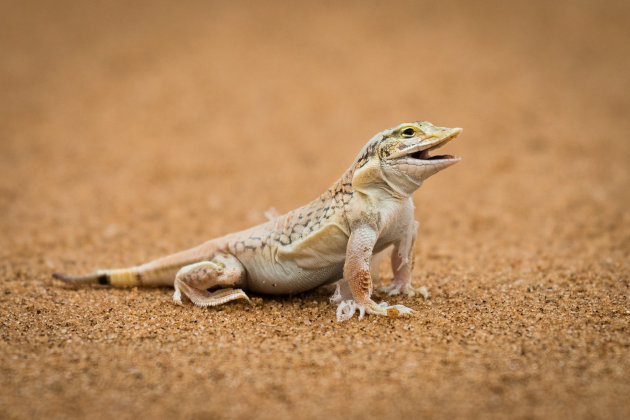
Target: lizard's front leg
[
  {"x": 402, "y": 265},
  {"x": 357, "y": 273}
]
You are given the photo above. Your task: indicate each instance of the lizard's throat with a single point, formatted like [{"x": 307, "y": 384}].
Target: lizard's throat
[{"x": 400, "y": 183}]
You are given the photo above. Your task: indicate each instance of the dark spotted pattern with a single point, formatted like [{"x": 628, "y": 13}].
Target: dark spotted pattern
[
  {"x": 198, "y": 277},
  {"x": 368, "y": 153},
  {"x": 302, "y": 222}
]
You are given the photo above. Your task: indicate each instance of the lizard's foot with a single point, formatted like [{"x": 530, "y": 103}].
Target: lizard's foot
[
  {"x": 224, "y": 271},
  {"x": 347, "y": 309},
  {"x": 177, "y": 297},
  {"x": 402, "y": 287},
  {"x": 218, "y": 297}
]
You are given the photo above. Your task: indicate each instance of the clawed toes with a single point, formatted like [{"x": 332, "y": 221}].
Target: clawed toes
[
  {"x": 403, "y": 310},
  {"x": 177, "y": 298},
  {"x": 388, "y": 290},
  {"x": 348, "y": 308},
  {"x": 400, "y": 289},
  {"x": 396, "y": 310}
]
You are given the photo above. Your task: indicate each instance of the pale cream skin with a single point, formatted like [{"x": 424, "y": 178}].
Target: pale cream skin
[{"x": 333, "y": 238}]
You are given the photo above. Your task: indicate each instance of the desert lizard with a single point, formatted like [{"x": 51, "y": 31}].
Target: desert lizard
[{"x": 332, "y": 239}]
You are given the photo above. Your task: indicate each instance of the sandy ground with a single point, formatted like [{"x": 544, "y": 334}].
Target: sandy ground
[{"x": 129, "y": 132}]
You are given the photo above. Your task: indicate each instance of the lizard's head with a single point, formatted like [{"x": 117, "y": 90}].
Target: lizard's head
[{"x": 400, "y": 156}]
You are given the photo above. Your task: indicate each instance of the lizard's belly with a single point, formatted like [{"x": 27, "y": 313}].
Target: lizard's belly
[
  {"x": 288, "y": 277},
  {"x": 299, "y": 266}
]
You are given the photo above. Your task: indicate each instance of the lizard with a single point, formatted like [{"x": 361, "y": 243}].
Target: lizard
[{"x": 331, "y": 239}]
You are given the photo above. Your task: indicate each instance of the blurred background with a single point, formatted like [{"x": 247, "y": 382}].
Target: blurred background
[
  {"x": 177, "y": 101},
  {"x": 133, "y": 129}
]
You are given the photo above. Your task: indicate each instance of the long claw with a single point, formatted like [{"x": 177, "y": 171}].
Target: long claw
[{"x": 347, "y": 308}]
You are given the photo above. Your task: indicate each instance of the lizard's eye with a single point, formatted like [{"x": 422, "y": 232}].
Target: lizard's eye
[{"x": 408, "y": 132}]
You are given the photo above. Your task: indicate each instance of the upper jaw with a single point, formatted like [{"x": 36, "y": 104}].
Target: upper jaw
[{"x": 422, "y": 146}]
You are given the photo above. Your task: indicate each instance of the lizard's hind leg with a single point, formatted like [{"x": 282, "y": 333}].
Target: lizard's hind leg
[{"x": 223, "y": 271}]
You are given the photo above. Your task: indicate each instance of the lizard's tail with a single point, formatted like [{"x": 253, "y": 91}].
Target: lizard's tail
[
  {"x": 126, "y": 277},
  {"x": 160, "y": 272}
]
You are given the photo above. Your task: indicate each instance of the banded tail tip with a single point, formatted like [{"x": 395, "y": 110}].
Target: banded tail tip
[{"x": 99, "y": 278}]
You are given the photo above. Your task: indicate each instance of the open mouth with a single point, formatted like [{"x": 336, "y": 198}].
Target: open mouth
[{"x": 424, "y": 155}]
